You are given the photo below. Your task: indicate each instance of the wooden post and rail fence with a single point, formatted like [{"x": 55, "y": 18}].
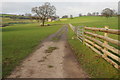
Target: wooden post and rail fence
[{"x": 100, "y": 43}]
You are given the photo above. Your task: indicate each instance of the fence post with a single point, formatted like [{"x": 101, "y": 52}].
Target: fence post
[
  {"x": 94, "y": 36},
  {"x": 105, "y": 42},
  {"x": 77, "y": 31},
  {"x": 83, "y": 30}
]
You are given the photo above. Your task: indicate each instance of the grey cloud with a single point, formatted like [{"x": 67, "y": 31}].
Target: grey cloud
[{"x": 63, "y": 8}]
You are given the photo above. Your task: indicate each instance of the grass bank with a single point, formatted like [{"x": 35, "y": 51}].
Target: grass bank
[{"x": 90, "y": 61}]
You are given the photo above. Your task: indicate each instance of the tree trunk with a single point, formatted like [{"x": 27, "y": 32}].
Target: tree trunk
[{"x": 43, "y": 22}]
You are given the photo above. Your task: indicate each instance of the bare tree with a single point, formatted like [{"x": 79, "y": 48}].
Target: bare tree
[
  {"x": 94, "y": 14},
  {"x": 107, "y": 12},
  {"x": 80, "y": 15},
  {"x": 97, "y": 13},
  {"x": 44, "y": 12},
  {"x": 115, "y": 13},
  {"x": 89, "y": 14},
  {"x": 71, "y": 16}
]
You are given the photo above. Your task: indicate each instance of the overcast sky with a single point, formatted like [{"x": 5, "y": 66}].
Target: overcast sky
[
  {"x": 64, "y": 7},
  {"x": 60, "y": 0}
]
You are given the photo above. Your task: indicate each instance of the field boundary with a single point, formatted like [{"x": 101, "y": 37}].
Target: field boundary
[{"x": 89, "y": 37}]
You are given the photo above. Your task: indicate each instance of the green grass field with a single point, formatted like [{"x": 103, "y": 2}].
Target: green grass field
[
  {"x": 90, "y": 21},
  {"x": 7, "y": 20},
  {"x": 19, "y": 41}
]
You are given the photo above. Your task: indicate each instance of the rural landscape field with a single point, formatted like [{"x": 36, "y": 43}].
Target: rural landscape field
[{"x": 48, "y": 46}]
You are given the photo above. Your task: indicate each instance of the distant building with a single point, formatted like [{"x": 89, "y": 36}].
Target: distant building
[
  {"x": 53, "y": 18},
  {"x": 49, "y": 20}
]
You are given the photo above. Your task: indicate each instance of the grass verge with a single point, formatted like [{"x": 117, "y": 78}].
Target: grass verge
[{"x": 90, "y": 61}]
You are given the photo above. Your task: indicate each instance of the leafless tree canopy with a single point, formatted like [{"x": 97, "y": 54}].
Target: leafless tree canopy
[
  {"x": 107, "y": 12},
  {"x": 71, "y": 16},
  {"x": 44, "y": 12},
  {"x": 89, "y": 14},
  {"x": 80, "y": 15}
]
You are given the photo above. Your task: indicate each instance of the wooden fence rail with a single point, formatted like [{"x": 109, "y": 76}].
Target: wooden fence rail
[
  {"x": 92, "y": 40},
  {"x": 112, "y": 31}
]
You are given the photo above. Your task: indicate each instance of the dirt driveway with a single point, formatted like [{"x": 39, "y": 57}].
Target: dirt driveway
[{"x": 53, "y": 59}]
